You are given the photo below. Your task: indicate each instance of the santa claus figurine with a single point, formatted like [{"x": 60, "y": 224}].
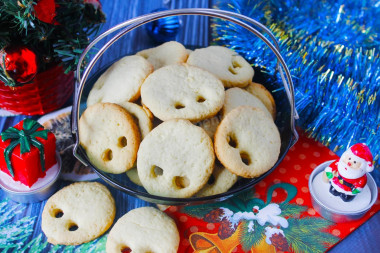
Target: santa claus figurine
[{"x": 347, "y": 175}]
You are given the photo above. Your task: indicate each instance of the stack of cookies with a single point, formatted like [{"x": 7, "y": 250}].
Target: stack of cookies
[{"x": 181, "y": 123}]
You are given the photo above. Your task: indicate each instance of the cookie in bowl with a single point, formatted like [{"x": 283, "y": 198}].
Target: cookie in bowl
[
  {"x": 227, "y": 65},
  {"x": 109, "y": 137},
  {"x": 182, "y": 91},
  {"x": 175, "y": 159},
  {"x": 247, "y": 142},
  {"x": 121, "y": 82}
]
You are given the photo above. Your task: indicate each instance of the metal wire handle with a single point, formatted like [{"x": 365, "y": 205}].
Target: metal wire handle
[{"x": 131, "y": 24}]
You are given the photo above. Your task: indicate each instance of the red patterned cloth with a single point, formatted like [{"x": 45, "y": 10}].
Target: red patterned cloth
[{"x": 276, "y": 216}]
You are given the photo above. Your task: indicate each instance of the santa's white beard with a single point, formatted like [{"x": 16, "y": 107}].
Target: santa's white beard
[{"x": 349, "y": 173}]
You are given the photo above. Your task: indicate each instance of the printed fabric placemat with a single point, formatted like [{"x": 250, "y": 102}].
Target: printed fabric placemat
[{"x": 275, "y": 216}]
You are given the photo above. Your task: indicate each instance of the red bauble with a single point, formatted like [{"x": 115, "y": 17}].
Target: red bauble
[
  {"x": 20, "y": 63},
  {"x": 45, "y": 11}
]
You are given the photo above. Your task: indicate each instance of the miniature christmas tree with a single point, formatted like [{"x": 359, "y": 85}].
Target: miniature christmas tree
[{"x": 36, "y": 35}]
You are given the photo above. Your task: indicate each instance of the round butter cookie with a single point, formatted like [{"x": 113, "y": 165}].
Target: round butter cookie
[
  {"x": 144, "y": 229},
  {"x": 109, "y": 136},
  {"x": 182, "y": 91},
  {"x": 121, "y": 82},
  {"x": 175, "y": 159},
  {"x": 171, "y": 52},
  {"x": 232, "y": 69},
  {"x": 210, "y": 125},
  {"x": 264, "y": 95},
  {"x": 220, "y": 181},
  {"x": 78, "y": 213},
  {"x": 247, "y": 142},
  {"x": 236, "y": 97},
  {"x": 140, "y": 116}
]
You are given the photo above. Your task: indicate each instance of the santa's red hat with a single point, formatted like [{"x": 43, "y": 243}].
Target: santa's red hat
[{"x": 361, "y": 150}]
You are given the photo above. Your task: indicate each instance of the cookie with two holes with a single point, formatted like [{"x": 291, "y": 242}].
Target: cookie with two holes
[
  {"x": 109, "y": 136},
  {"x": 175, "y": 159},
  {"x": 227, "y": 65},
  {"x": 247, "y": 142},
  {"x": 182, "y": 91},
  {"x": 78, "y": 213},
  {"x": 169, "y": 53}
]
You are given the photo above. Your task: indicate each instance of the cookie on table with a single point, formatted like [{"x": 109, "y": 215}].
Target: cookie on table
[
  {"x": 220, "y": 181},
  {"x": 140, "y": 116},
  {"x": 264, "y": 95},
  {"x": 121, "y": 82},
  {"x": 171, "y": 52},
  {"x": 109, "y": 136},
  {"x": 175, "y": 159},
  {"x": 236, "y": 97},
  {"x": 145, "y": 229},
  {"x": 182, "y": 91},
  {"x": 232, "y": 69},
  {"x": 78, "y": 213},
  {"x": 247, "y": 142}
]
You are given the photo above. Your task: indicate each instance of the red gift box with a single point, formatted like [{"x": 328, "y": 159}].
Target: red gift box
[{"x": 27, "y": 167}]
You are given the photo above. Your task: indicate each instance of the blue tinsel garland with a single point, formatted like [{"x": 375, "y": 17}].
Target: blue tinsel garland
[{"x": 332, "y": 50}]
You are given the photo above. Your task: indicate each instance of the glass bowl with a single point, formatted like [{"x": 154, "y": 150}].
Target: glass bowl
[{"x": 283, "y": 95}]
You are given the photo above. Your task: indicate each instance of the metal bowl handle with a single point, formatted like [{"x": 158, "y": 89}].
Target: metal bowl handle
[{"x": 131, "y": 24}]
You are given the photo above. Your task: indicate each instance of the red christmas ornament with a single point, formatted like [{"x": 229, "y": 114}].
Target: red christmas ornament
[
  {"x": 45, "y": 11},
  {"x": 20, "y": 63}
]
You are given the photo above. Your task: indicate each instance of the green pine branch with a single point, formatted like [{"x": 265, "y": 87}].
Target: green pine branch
[
  {"x": 291, "y": 210},
  {"x": 200, "y": 211},
  {"x": 306, "y": 235},
  {"x": 249, "y": 238}
]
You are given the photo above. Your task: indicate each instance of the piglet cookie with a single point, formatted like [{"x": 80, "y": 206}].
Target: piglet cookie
[
  {"x": 110, "y": 137},
  {"x": 171, "y": 52},
  {"x": 232, "y": 69},
  {"x": 182, "y": 91},
  {"x": 175, "y": 159},
  {"x": 121, "y": 82},
  {"x": 78, "y": 213},
  {"x": 145, "y": 229},
  {"x": 247, "y": 142}
]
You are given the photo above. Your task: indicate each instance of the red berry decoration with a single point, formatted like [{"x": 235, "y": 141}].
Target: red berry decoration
[{"x": 19, "y": 63}]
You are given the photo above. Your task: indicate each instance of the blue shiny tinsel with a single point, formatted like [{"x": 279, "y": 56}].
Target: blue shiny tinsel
[
  {"x": 332, "y": 51},
  {"x": 164, "y": 29}
]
